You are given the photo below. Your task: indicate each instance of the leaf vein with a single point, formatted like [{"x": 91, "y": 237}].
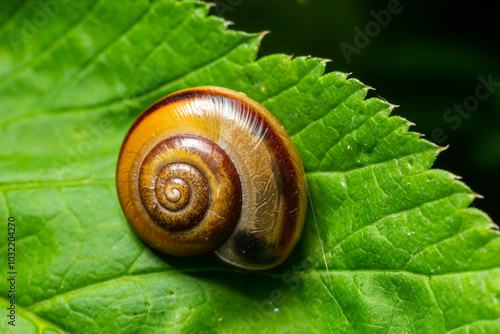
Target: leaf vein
[
  {"x": 39, "y": 57},
  {"x": 387, "y": 215}
]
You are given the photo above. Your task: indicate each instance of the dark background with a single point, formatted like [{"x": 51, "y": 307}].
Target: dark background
[{"x": 426, "y": 60}]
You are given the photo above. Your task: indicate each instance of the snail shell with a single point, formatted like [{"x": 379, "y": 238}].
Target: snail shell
[{"x": 209, "y": 170}]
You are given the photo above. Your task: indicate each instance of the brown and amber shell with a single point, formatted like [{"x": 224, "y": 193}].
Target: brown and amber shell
[{"x": 207, "y": 169}]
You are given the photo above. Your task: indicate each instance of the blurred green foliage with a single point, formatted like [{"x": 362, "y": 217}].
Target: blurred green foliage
[{"x": 426, "y": 59}]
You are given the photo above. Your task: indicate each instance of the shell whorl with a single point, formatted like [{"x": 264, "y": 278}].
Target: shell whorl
[{"x": 208, "y": 169}]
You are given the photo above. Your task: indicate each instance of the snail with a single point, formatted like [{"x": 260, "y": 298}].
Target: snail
[{"x": 207, "y": 169}]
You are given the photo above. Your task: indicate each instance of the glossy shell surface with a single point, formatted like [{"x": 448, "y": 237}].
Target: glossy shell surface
[{"x": 208, "y": 169}]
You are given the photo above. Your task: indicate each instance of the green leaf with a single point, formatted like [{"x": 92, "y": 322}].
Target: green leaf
[{"x": 388, "y": 245}]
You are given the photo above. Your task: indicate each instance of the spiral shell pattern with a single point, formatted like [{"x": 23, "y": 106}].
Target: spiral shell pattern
[{"x": 208, "y": 169}]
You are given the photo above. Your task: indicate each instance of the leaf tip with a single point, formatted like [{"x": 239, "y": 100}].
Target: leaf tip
[
  {"x": 393, "y": 106},
  {"x": 210, "y": 4},
  {"x": 442, "y": 148},
  {"x": 389, "y": 104},
  {"x": 264, "y": 33},
  {"x": 477, "y": 196}
]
